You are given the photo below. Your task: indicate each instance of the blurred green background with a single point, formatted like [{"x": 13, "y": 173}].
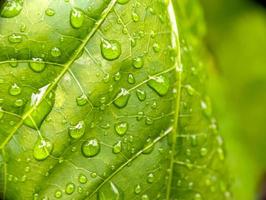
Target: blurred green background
[{"x": 236, "y": 40}]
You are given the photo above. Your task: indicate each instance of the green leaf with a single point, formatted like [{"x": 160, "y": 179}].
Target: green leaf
[{"x": 105, "y": 100}]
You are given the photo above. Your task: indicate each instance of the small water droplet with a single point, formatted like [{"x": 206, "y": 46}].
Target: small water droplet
[
  {"x": 138, "y": 62},
  {"x": 121, "y": 128},
  {"x": 19, "y": 102},
  {"x": 159, "y": 84},
  {"x": 135, "y": 17},
  {"x": 197, "y": 197},
  {"x": 117, "y": 147},
  {"x": 122, "y": 98},
  {"x": 150, "y": 178},
  {"x": 131, "y": 79},
  {"x": 58, "y": 194},
  {"x": 37, "y": 64},
  {"x": 82, "y": 179},
  {"x": 55, "y": 52},
  {"x": 110, "y": 49},
  {"x": 70, "y": 188},
  {"x": 11, "y": 8},
  {"x": 77, "y": 18},
  {"x": 137, "y": 189},
  {"x": 203, "y": 151},
  {"x": 141, "y": 94},
  {"x": 14, "y": 62},
  {"x": 77, "y": 131},
  {"x": 145, "y": 197},
  {"x": 49, "y": 12},
  {"x": 91, "y": 147},
  {"x": 42, "y": 149},
  {"x": 156, "y": 47},
  {"x": 14, "y": 90}
]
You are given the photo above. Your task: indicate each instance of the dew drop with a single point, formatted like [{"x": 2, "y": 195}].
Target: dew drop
[
  {"x": 110, "y": 49},
  {"x": 150, "y": 178},
  {"x": 135, "y": 17},
  {"x": 197, "y": 197},
  {"x": 159, "y": 84},
  {"x": 14, "y": 90},
  {"x": 77, "y": 18},
  {"x": 70, "y": 188},
  {"x": 37, "y": 64},
  {"x": 82, "y": 100},
  {"x": 145, "y": 197},
  {"x": 141, "y": 94},
  {"x": 49, "y": 12},
  {"x": 117, "y": 147},
  {"x": 77, "y": 131},
  {"x": 11, "y": 8},
  {"x": 15, "y": 38},
  {"x": 58, "y": 194},
  {"x": 55, "y": 52},
  {"x": 156, "y": 47},
  {"x": 137, "y": 189},
  {"x": 91, "y": 147},
  {"x": 131, "y": 79},
  {"x": 121, "y": 128},
  {"x": 42, "y": 149},
  {"x": 122, "y": 98},
  {"x": 138, "y": 62},
  {"x": 19, "y": 102},
  {"x": 203, "y": 151},
  {"x": 14, "y": 62},
  {"x": 83, "y": 179},
  {"x": 123, "y": 1}
]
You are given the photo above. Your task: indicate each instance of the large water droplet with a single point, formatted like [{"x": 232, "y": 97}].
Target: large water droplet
[
  {"x": 111, "y": 49},
  {"x": 117, "y": 147},
  {"x": 77, "y": 18},
  {"x": 77, "y": 131},
  {"x": 159, "y": 84},
  {"x": 91, "y": 147},
  {"x": 122, "y": 98},
  {"x": 121, "y": 128},
  {"x": 11, "y": 8},
  {"x": 42, "y": 149},
  {"x": 70, "y": 188},
  {"x": 14, "y": 90},
  {"x": 15, "y": 38},
  {"x": 37, "y": 64},
  {"x": 40, "y": 105}
]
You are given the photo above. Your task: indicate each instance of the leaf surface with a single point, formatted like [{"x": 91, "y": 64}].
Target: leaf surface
[{"x": 105, "y": 100}]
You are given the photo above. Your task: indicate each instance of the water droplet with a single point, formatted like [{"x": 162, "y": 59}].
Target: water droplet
[
  {"x": 145, "y": 197},
  {"x": 141, "y": 94},
  {"x": 121, "y": 128},
  {"x": 117, "y": 76},
  {"x": 91, "y": 147},
  {"x": 148, "y": 147},
  {"x": 58, "y": 194},
  {"x": 203, "y": 151},
  {"x": 14, "y": 90},
  {"x": 70, "y": 188},
  {"x": 37, "y": 64},
  {"x": 197, "y": 197},
  {"x": 49, "y": 12},
  {"x": 131, "y": 79},
  {"x": 111, "y": 49},
  {"x": 11, "y": 8},
  {"x": 14, "y": 62},
  {"x": 123, "y": 1},
  {"x": 138, "y": 62},
  {"x": 15, "y": 38},
  {"x": 135, "y": 17},
  {"x": 55, "y": 52},
  {"x": 42, "y": 149},
  {"x": 110, "y": 191},
  {"x": 122, "y": 98},
  {"x": 41, "y": 105},
  {"x": 156, "y": 47},
  {"x": 93, "y": 175},
  {"x": 150, "y": 178},
  {"x": 190, "y": 90},
  {"x": 77, "y": 18},
  {"x": 137, "y": 189},
  {"x": 82, "y": 100},
  {"x": 77, "y": 131},
  {"x": 140, "y": 115},
  {"x": 117, "y": 147},
  {"x": 82, "y": 179},
  {"x": 159, "y": 84},
  {"x": 19, "y": 102}
]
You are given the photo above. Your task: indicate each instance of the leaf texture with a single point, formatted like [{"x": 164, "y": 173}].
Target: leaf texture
[{"x": 105, "y": 100}]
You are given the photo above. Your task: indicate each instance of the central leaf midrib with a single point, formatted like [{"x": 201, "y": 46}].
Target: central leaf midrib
[{"x": 66, "y": 67}]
